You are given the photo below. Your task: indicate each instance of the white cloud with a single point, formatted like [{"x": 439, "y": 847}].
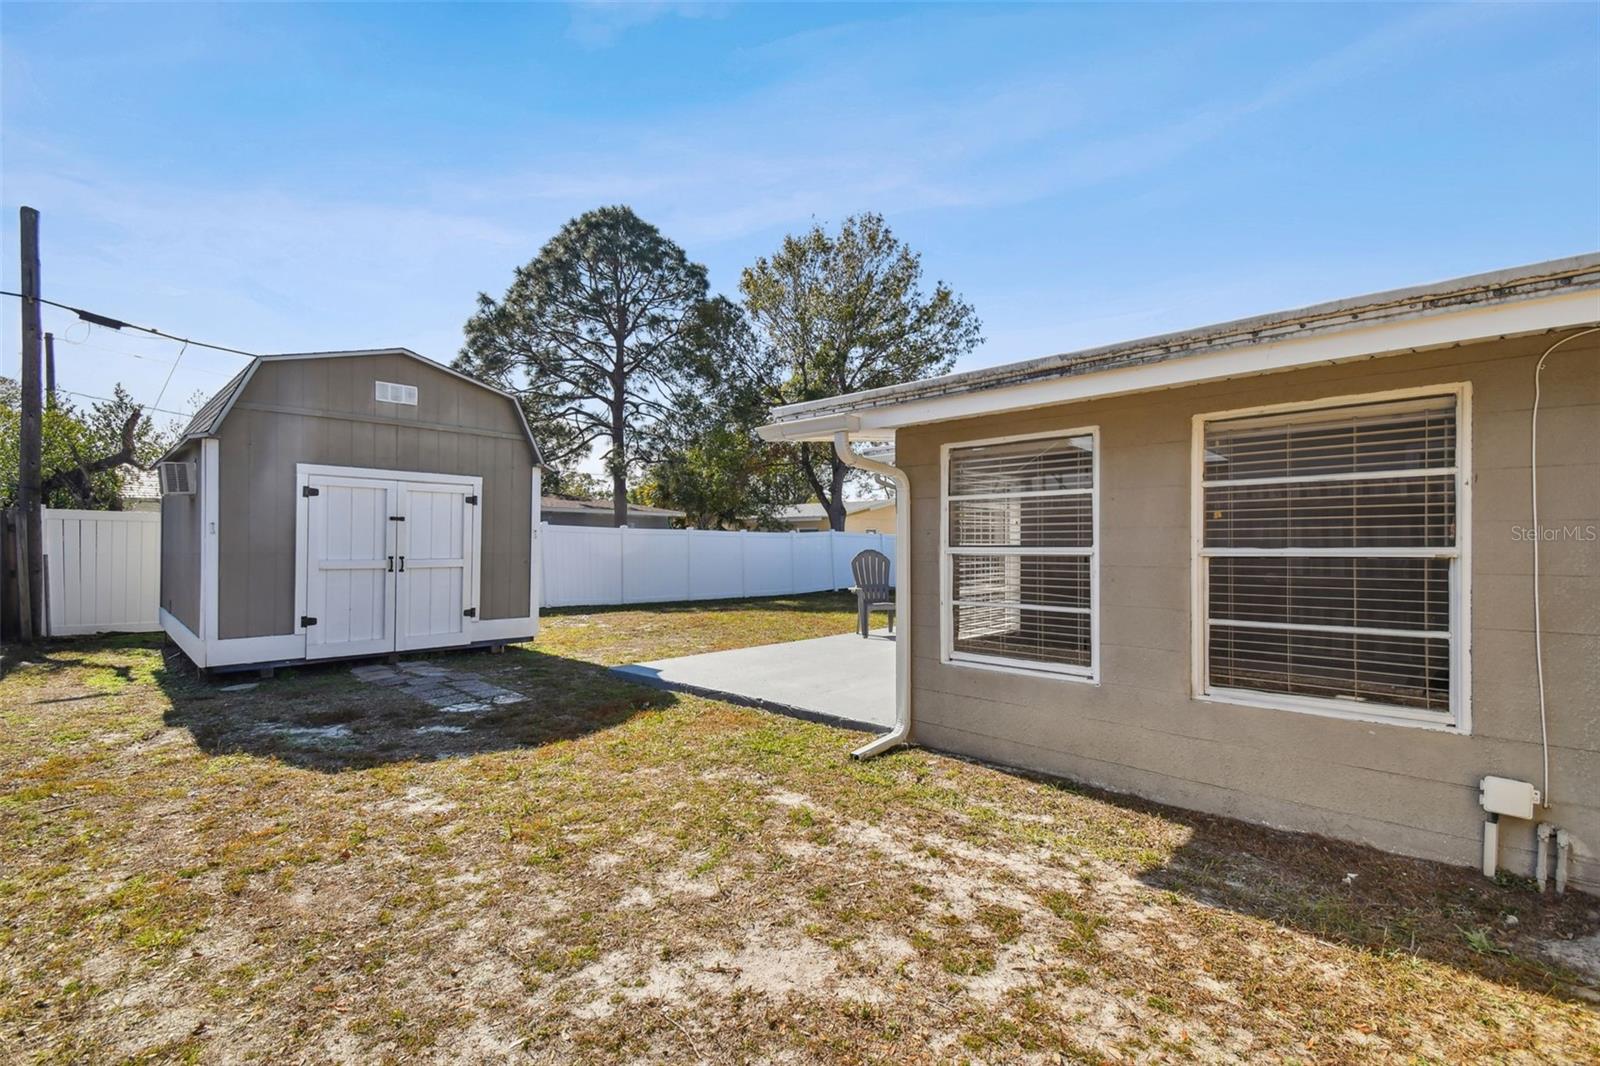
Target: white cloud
[{"x": 598, "y": 23}]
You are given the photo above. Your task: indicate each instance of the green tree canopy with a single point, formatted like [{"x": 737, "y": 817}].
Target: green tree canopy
[
  {"x": 839, "y": 313},
  {"x": 713, "y": 464},
  {"x": 82, "y": 453},
  {"x": 573, "y": 484},
  {"x": 591, "y": 336}
]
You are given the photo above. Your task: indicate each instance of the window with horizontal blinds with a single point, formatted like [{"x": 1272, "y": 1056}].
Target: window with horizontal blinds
[
  {"x": 1020, "y": 553},
  {"x": 1330, "y": 556}
]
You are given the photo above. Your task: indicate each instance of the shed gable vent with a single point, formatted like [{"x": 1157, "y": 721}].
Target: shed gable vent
[
  {"x": 177, "y": 479},
  {"x": 389, "y": 392}
]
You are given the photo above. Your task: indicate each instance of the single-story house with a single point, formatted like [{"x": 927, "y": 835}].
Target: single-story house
[
  {"x": 559, "y": 511},
  {"x": 860, "y": 516},
  {"x": 141, "y": 489},
  {"x": 341, "y": 504},
  {"x": 1286, "y": 568}
]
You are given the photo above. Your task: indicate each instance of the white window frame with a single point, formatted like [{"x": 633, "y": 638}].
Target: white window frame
[
  {"x": 1004, "y": 664},
  {"x": 1460, "y": 716}
]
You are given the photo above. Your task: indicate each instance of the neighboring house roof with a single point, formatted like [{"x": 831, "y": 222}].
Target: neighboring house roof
[
  {"x": 883, "y": 453},
  {"x": 561, "y": 503},
  {"x": 803, "y": 511},
  {"x": 1556, "y": 294},
  {"x": 211, "y": 413},
  {"x": 139, "y": 484}
]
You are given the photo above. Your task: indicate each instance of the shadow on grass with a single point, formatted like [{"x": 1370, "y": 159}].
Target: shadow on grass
[
  {"x": 322, "y": 717},
  {"x": 1392, "y": 906},
  {"x": 53, "y": 656},
  {"x": 1453, "y": 915}
]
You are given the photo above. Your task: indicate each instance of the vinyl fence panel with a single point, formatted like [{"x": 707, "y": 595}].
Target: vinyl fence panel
[
  {"x": 655, "y": 566},
  {"x": 813, "y": 562},
  {"x": 580, "y": 565},
  {"x": 103, "y": 567},
  {"x": 103, "y": 571},
  {"x": 716, "y": 565},
  {"x": 588, "y": 566}
]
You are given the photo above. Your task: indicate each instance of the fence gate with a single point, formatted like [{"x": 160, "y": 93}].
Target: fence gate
[{"x": 102, "y": 570}]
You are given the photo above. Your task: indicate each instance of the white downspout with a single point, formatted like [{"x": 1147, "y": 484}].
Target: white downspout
[{"x": 901, "y": 732}]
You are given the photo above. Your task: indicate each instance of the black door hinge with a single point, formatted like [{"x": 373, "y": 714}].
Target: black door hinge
[
  {"x": 472, "y": 500},
  {"x": 470, "y": 612},
  {"x": 307, "y": 490},
  {"x": 307, "y": 620}
]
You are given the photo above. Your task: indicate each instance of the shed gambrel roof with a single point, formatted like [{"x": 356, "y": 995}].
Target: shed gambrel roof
[
  {"x": 205, "y": 420},
  {"x": 208, "y": 419}
]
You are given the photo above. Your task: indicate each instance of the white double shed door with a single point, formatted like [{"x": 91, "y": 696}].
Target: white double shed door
[{"x": 388, "y": 561}]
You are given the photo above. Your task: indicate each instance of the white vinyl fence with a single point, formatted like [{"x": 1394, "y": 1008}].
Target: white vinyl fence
[
  {"x": 102, "y": 568},
  {"x": 103, "y": 571},
  {"x": 589, "y": 566}
]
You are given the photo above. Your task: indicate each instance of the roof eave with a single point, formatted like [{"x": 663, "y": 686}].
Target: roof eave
[
  {"x": 1247, "y": 347},
  {"x": 822, "y": 427}
]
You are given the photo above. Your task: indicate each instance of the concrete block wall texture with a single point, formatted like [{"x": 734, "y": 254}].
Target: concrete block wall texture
[{"x": 1401, "y": 788}]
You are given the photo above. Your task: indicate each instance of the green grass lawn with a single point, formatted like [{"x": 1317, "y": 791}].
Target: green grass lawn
[
  {"x": 616, "y": 635},
  {"x": 317, "y": 869}
]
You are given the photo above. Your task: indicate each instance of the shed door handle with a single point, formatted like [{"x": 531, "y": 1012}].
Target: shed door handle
[
  {"x": 391, "y": 564},
  {"x": 402, "y": 564}
]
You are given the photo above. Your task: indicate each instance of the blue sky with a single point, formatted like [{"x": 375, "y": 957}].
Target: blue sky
[{"x": 284, "y": 178}]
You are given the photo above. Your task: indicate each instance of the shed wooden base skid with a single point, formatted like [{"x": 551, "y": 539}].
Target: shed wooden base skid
[{"x": 494, "y": 647}]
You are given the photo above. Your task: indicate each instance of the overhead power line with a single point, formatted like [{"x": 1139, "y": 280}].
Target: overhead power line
[
  {"x": 63, "y": 339},
  {"x": 142, "y": 407},
  {"x": 173, "y": 369},
  {"x": 116, "y": 323}
]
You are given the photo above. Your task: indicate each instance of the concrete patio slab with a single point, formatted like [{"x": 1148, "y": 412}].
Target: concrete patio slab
[{"x": 843, "y": 678}]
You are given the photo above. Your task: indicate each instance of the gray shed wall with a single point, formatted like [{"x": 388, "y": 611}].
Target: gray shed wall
[
  {"x": 180, "y": 547},
  {"x": 324, "y": 411},
  {"x": 1404, "y": 789}
]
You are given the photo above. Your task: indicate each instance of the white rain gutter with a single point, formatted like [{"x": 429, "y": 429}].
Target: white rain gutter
[{"x": 901, "y": 733}]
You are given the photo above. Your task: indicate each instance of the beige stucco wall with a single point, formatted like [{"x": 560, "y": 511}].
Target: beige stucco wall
[
  {"x": 323, "y": 411},
  {"x": 1405, "y": 789}
]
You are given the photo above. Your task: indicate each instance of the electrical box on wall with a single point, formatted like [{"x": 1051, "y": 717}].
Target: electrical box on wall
[{"x": 1504, "y": 796}]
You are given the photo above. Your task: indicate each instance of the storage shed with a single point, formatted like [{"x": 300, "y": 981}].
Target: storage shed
[{"x": 339, "y": 504}]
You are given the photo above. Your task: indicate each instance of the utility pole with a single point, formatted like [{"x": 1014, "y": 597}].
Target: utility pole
[
  {"x": 49, "y": 369},
  {"x": 30, "y": 571}
]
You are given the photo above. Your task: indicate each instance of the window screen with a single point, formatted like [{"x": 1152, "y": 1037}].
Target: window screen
[
  {"x": 1020, "y": 553},
  {"x": 1329, "y": 555}
]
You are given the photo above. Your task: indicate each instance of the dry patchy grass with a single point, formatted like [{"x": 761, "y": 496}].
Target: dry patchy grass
[{"x": 308, "y": 871}]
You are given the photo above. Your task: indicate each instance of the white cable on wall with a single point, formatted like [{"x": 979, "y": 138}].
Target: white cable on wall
[{"x": 1538, "y": 537}]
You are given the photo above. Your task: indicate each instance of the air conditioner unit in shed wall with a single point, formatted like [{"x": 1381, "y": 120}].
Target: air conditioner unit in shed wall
[{"x": 177, "y": 479}]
